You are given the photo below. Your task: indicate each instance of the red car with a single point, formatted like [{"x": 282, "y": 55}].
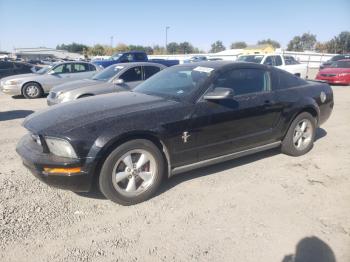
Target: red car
[{"x": 337, "y": 73}]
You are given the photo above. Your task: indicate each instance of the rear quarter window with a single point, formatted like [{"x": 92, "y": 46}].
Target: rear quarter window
[{"x": 283, "y": 80}]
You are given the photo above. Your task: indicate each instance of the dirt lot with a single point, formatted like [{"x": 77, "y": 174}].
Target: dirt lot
[{"x": 258, "y": 208}]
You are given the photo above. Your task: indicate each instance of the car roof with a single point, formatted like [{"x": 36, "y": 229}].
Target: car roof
[{"x": 216, "y": 65}]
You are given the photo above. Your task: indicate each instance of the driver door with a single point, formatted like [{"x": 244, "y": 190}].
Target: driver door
[
  {"x": 244, "y": 121},
  {"x": 132, "y": 77},
  {"x": 60, "y": 74}
]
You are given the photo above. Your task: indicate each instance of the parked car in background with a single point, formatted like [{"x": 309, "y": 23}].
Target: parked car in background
[
  {"x": 36, "y": 84},
  {"x": 132, "y": 56},
  {"x": 337, "y": 73},
  {"x": 198, "y": 58},
  {"x": 285, "y": 62},
  {"x": 115, "y": 78},
  {"x": 9, "y": 68},
  {"x": 334, "y": 59},
  {"x": 182, "y": 118}
]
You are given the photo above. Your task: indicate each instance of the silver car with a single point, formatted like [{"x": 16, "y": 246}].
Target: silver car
[
  {"x": 115, "y": 78},
  {"x": 37, "y": 84}
]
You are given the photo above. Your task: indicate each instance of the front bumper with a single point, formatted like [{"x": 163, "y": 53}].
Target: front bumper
[
  {"x": 36, "y": 160},
  {"x": 11, "y": 89}
]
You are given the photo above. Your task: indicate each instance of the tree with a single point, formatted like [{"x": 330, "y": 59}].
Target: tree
[
  {"x": 269, "y": 41},
  {"x": 97, "y": 50},
  {"x": 301, "y": 43},
  {"x": 218, "y": 46},
  {"x": 238, "y": 45},
  {"x": 343, "y": 42},
  {"x": 185, "y": 48},
  {"x": 73, "y": 47},
  {"x": 172, "y": 48}
]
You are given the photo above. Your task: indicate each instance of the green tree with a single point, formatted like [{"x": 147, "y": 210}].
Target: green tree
[
  {"x": 269, "y": 41},
  {"x": 97, "y": 50},
  {"x": 172, "y": 48},
  {"x": 304, "y": 42},
  {"x": 238, "y": 45},
  {"x": 185, "y": 48},
  {"x": 218, "y": 46},
  {"x": 73, "y": 47}
]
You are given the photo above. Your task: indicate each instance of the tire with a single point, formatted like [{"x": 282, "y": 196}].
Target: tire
[
  {"x": 300, "y": 139},
  {"x": 120, "y": 178},
  {"x": 32, "y": 90}
]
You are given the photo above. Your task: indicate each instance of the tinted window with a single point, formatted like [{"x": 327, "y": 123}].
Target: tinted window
[
  {"x": 133, "y": 74},
  {"x": 282, "y": 80},
  {"x": 92, "y": 67},
  {"x": 6, "y": 65},
  {"x": 341, "y": 64},
  {"x": 268, "y": 61},
  {"x": 244, "y": 81},
  {"x": 289, "y": 60},
  {"x": 150, "y": 71},
  {"x": 251, "y": 58},
  {"x": 140, "y": 57},
  {"x": 78, "y": 68},
  {"x": 278, "y": 60}
]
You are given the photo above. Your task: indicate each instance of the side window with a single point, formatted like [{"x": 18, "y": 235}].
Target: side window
[
  {"x": 130, "y": 57},
  {"x": 79, "y": 68},
  {"x": 92, "y": 67},
  {"x": 150, "y": 71},
  {"x": 63, "y": 69},
  {"x": 6, "y": 65},
  {"x": 268, "y": 61},
  {"x": 132, "y": 74},
  {"x": 140, "y": 57},
  {"x": 244, "y": 81},
  {"x": 284, "y": 80},
  {"x": 278, "y": 60},
  {"x": 289, "y": 60}
]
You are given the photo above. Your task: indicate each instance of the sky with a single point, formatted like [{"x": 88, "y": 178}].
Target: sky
[{"x": 46, "y": 23}]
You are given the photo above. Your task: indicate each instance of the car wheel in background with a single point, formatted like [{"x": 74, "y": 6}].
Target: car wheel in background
[
  {"x": 32, "y": 90},
  {"x": 132, "y": 172},
  {"x": 300, "y": 136}
]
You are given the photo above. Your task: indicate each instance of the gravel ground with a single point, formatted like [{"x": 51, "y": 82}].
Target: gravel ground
[{"x": 263, "y": 207}]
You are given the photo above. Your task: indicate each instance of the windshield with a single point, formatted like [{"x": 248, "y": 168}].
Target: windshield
[
  {"x": 116, "y": 56},
  {"x": 108, "y": 73},
  {"x": 43, "y": 70},
  {"x": 177, "y": 83},
  {"x": 251, "y": 58},
  {"x": 340, "y": 64}
]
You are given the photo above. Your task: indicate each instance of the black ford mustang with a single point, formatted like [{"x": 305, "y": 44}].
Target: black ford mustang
[{"x": 184, "y": 117}]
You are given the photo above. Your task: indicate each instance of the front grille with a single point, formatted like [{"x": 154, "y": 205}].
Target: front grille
[{"x": 328, "y": 74}]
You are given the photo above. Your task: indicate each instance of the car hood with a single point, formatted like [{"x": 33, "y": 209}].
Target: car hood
[
  {"x": 60, "y": 119},
  {"x": 76, "y": 84},
  {"x": 333, "y": 70},
  {"x": 18, "y": 77}
]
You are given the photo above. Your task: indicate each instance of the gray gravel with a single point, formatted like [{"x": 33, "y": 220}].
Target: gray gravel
[{"x": 257, "y": 208}]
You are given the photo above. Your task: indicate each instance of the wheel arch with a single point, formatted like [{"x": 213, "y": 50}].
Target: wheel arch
[
  {"x": 36, "y": 82},
  {"x": 117, "y": 141}
]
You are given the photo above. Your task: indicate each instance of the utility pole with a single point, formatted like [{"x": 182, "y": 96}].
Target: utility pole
[{"x": 166, "y": 38}]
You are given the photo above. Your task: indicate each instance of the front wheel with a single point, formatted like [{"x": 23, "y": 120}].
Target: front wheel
[
  {"x": 300, "y": 136},
  {"x": 132, "y": 172},
  {"x": 32, "y": 90}
]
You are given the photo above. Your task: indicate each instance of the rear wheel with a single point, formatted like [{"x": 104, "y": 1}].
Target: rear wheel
[
  {"x": 32, "y": 90},
  {"x": 300, "y": 136},
  {"x": 132, "y": 172}
]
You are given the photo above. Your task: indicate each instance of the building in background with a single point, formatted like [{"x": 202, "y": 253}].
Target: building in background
[
  {"x": 258, "y": 49},
  {"x": 42, "y": 53}
]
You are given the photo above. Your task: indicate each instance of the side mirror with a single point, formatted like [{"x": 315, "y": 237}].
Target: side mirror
[
  {"x": 118, "y": 81},
  {"x": 219, "y": 93}
]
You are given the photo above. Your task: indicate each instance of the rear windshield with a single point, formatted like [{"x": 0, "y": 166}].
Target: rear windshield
[{"x": 251, "y": 58}]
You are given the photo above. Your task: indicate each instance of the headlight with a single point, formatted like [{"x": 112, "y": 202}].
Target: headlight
[
  {"x": 343, "y": 74},
  {"x": 60, "y": 147},
  {"x": 13, "y": 82}
]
